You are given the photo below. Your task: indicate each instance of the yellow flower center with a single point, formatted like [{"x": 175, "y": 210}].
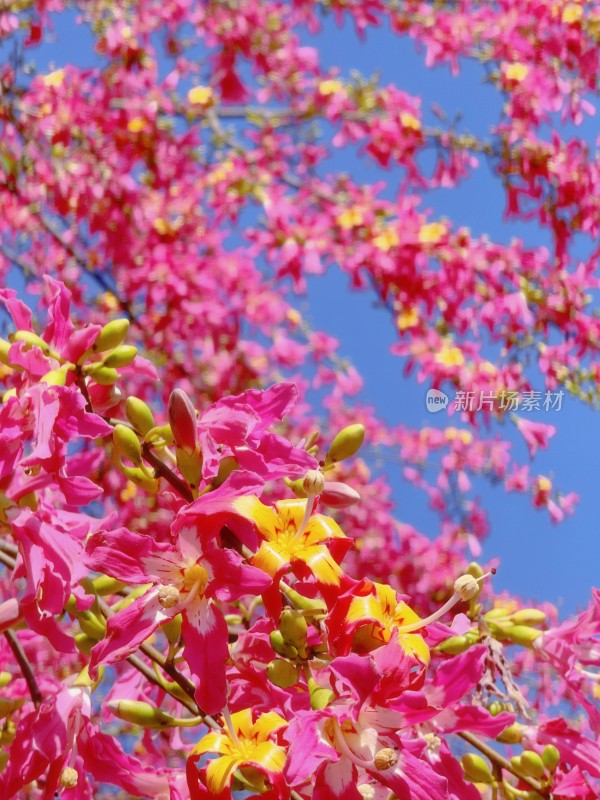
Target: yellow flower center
[{"x": 196, "y": 574}]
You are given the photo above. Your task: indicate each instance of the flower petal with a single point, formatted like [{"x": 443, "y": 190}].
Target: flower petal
[
  {"x": 218, "y": 772},
  {"x": 206, "y": 652}
]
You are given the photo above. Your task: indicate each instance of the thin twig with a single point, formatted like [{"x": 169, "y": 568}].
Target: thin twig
[{"x": 25, "y": 666}]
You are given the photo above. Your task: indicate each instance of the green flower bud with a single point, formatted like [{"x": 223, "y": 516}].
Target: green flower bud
[
  {"x": 516, "y": 763},
  {"x": 32, "y": 340},
  {"x": 454, "y": 645},
  {"x": 297, "y": 487},
  {"x": 5, "y": 679},
  {"x": 522, "y": 634},
  {"x": 532, "y": 764},
  {"x": 282, "y": 673},
  {"x": 496, "y": 613},
  {"x": 346, "y": 443},
  {"x": 511, "y": 735},
  {"x": 319, "y": 697},
  {"x": 104, "y": 585},
  {"x": 127, "y": 444},
  {"x": 475, "y": 570},
  {"x": 9, "y": 705},
  {"x": 121, "y": 356},
  {"x": 105, "y": 376},
  {"x": 56, "y": 377},
  {"x": 476, "y": 769},
  {"x": 7, "y": 733},
  {"x": 139, "y": 414},
  {"x": 308, "y": 604},
  {"x": 92, "y": 625},
  {"x": 293, "y": 628},
  {"x": 550, "y": 757},
  {"x": 172, "y": 629},
  {"x": 528, "y": 616},
  {"x": 4, "y": 348},
  {"x": 280, "y": 646},
  {"x": 226, "y": 466},
  {"x": 84, "y": 643},
  {"x": 190, "y": 466},
  {"x": 140, "y": 713},
  {"x": 141, "y": 478},
  {"x": 111, "y": 335}
]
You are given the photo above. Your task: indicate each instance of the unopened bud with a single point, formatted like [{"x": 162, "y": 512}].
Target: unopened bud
[
  {"x": 467, "y": 587},
  {"x": 476, "y": 769},
  {"x": 140, "y": 713},
  {"x": 139, "y": 414},
  {"x": 84, "y": 643},
  {"x": 56, "y": 377},
  {"x": 454, "y": 645},
  {"x": 32, "y": 340},
  {"x": 293, "y": 628},
  {"x": 550, "y": 757},
  {"x": 190, "y": 466},
  {"x": 105, "y": 585},
  {"x": 105, "y": 376},
  {"x": 309, "y": 604},
  {"x": 521, "y": 634},
  {"x": 282, "y": 647},
  {"x": 121, "y": 356},
  {"x": 532, "y": 764},
  {"x": 111, "y": 335},
  {"x": 4, "y": 348},
  {"x": 511, "y": 735},
  {"x": 168, "y": 596},
  {"x": 297, "y": 487},
  {"x": 319, "y": 697},
  {"x": 127, "y": 443},
  {"x": 346, "y": 443},
  {"x": 92, "y": 625},
  {"x": 182, "y": 417},
  {"x": 172, "y": 629},
  {"x": 385, "y": 758},
  {"x": 5, "y": 679},
  {"x": 339, "y": 495},
  {"x": 528, "y": 616},
  {"x": 314, "y": 482},
  {"x": 68, "y": 778},
  {"x": 281, "y": 673}
]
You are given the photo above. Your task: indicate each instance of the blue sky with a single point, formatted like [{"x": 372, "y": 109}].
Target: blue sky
[{"x": 557, "y": 563}]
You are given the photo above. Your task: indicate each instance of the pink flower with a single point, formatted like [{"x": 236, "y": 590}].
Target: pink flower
[
  {"x": 189, "y": 578},
  {"x": 536, "y": 434}
]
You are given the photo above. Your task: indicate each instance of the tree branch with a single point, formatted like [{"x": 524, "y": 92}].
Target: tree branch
[{"x": 25, "y": 666}]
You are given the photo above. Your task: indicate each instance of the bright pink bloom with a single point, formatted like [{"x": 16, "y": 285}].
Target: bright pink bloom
[{"x": 188, "y": 578}]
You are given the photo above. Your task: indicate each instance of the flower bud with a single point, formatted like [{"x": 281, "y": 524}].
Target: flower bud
[
  {"x": 339, "y": 495},
  {"x": 4, "y": 348},
  {"x": 9, "y": 705},
  {"x": 385, "y": 758},
  {"x": 92, "y": 625},
  {"x": 309, "y": 604},
  {"x": 532, "y": 764},
  {"x": 522, "y": 634},
  {"x": 127, "y": 444},
  {"x": 454, "y": 645},
  {"x": 319, "y": 697},
  {"x": 467, "y": 587},
  {"x": 140, "y": 713},
  {"x": 346, "y": 443},
  {"x": 282, "y": 647},
  {"x": 121, "y": 356},
  {"x": 56, "y": 377},
  {"x": 515, "y": 762},
  {"x": 281, "y": 673},
  {"x": 550, "y": 757},
  {"x": 474, "y": 569},
  {"x": 172, "y": 629},
  {"x": 227, "y": 465},
  {"x": 84, "y": 643},
  {"x": 5, "y": 679},
  {"x": 314, "y": 482},
  {"x": 293, "y": 627},
  {"x": 104, "y": 585},
  {"x": 528, "y": 616},
  {"x": 68, "y": 778},
  {"x": 105, "y": 376},
  {"x": 297, "y": 487},
  {"x": 190, "y": 466},
  {"x": 182, "y": 417},
  {"x": 139, "y": 414},
  {"x": 8, "y": 733},
  {"x": 511, "y": 735},
  {"x": 111, "y": 335},
  {"x": 32, "y": 340},
  {"x": 476, "y": 769}
]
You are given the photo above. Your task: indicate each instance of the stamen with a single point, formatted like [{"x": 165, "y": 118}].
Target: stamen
[
  {"x": 456, "y": 598},
  {"x": 229, "y": 726}
]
